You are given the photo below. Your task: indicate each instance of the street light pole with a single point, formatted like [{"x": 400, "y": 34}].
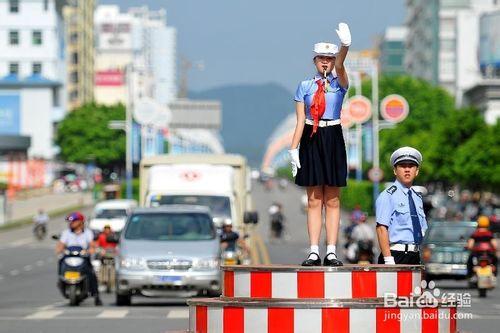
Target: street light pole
[
  {"x": 375, "y": 128},
  {"x": 128, "y": 133}
]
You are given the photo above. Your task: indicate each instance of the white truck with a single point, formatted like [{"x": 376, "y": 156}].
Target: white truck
[{"x": 219, "y": 181}]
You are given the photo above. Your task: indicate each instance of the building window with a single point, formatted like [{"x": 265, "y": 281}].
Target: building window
[
  {"x": 74, "y": 77},
  {"x": 37, "y": 37},
  {"x": 73, "y": 38},
  {"x": 73, "y": 95},
  {"x": 74, "y": 58},
  {"x": 14, "y": 37},
  {"x": 37, "y": 68},
  {"x": 14, "y": 6},
  {"x": 14, "y": 68}
]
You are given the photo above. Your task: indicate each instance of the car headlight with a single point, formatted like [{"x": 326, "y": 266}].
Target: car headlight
[
  {"x": 206, "y": 264},
  {"x": 133, "y": 263},
  {"x": 73, "y": 261}
]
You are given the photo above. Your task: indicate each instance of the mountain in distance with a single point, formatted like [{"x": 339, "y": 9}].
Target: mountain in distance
[{"x": 250, "y": 114}]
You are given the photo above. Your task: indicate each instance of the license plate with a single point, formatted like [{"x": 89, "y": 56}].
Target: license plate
[
  {"x": 72, "y": 275},
  {"x": 169, "y": 279}
]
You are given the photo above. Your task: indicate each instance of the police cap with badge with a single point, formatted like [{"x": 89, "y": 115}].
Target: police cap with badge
[{"x": 406, "y": 154}]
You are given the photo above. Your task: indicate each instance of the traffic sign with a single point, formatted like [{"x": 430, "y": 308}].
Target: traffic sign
[
  {"x": 345, "y": 118},
  {"x": 375, "y": 174},
  {"x": 359, "y": 109},
  {"x": 394, "y": 108}
]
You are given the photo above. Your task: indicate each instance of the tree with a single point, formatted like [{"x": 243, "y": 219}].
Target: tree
[{"x": 84, "y": 136}]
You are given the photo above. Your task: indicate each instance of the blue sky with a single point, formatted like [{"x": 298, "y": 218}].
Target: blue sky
[{"x": 259, "y": 41}]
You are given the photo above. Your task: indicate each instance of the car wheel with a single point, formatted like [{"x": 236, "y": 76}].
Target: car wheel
[{"x": 123, "y": 300}]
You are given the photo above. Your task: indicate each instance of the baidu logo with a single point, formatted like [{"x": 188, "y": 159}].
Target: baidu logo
[{"x": 424, "y": 296}]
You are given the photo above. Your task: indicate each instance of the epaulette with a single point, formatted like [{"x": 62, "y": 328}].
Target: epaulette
[
  {"x": 417, "y": 193},
  {"x": 392, "y": 189}
]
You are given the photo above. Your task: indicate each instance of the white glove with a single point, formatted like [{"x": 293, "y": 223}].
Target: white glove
[
  {"x": 294, "y": 155},
  {"x": 389, "y": 260},
  {"x": 344, "y": 34}
]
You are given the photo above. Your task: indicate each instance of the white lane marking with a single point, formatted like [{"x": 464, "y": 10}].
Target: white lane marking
[
  {"x": 14, "y": 272},
  {"x": 178, "y": 314},
  {"x": 48, "y": 314},
  {"x": 113, "y": 314},
  {"x": 40, "y": 263},
  {"x": 28, "y": 268}
]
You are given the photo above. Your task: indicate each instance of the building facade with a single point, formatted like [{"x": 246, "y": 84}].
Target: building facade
[
  {"x": 79, "y": 39},
  {"x": 392, "y": 51},
  {"x": 32, "y": 74}
]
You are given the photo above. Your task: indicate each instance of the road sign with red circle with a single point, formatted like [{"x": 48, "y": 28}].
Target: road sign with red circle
[
  {"x": 375, "y": 174},
  {"x": 359, "y": 109},
  {"x": 394, "y": 108},
  {"x": 345, "y": 118}
]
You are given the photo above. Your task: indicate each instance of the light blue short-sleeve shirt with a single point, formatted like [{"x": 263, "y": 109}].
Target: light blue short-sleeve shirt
[
  {"x": 393, "y": 211},
  {"x": 334, "y": 96},
  {"x": 83, "y": 240}
]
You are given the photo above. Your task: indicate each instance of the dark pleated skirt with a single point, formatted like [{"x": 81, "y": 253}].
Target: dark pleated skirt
[{"x": 322, "y": 158}]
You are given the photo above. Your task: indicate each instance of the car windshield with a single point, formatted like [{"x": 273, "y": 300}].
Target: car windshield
[
  {"x": 450, "y": 233},
  {"x": 170, "y": 226},
  {"x": 219, "y": 205},
  {"x": 110, "y": 213}
]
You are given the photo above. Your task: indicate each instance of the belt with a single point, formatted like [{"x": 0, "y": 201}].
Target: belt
[
  {"x": 405, "y": 247},
  {"x": 323, "y": 123}
]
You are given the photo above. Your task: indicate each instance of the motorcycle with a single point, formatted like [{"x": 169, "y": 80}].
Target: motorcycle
[
  {"x": 365, "y": 253},
  {"x": 40, "y": 231},
  {"x": 73, "y": 280},
  {"x": 107, "y": 269},
  {"x": 230, "y": 258},
  {"x": 484, "y": 275}
]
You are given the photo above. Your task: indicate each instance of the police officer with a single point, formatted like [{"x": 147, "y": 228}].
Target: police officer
[{"x": 400, "y": 216}]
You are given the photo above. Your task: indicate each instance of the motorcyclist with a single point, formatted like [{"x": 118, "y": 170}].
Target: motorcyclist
[
  {"x": 482, "y": 242},
  {"x": 229, "y": 238},
  {"x": 361, "y": 233},
  {"x": 277, "y": 219},
  {"x": 102, "y": 239},
  {"x": 78, "y": 235},
  {"x": 41, "y": 219}
]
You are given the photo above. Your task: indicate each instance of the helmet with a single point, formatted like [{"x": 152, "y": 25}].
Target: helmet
[
  {"x": 483, "y": 222},
  {"x": 325, "y": 49},
  {"x": 75, "y": 216},
  {"x": 227, "y": 223},
  {"x": 406, "y": 154},
  {"x": 107, "y": 226}
]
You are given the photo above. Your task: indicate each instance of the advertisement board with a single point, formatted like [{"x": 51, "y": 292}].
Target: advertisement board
[
  {"x": 10, "y": 114},
  {"x": 109, "y": 78}
]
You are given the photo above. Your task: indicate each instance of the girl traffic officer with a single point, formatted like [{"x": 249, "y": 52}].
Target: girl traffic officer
[{"x": 319, "y": 162}]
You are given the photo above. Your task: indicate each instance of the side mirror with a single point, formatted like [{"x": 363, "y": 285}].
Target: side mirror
[
  {"x": 55, "y": 237},
  {"x": 251, "y": 217}
]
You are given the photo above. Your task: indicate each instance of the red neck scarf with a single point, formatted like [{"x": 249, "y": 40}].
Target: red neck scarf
[{"x": 318, "y": 105}]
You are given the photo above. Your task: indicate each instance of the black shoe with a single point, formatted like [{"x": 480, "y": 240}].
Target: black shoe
[
  {"x": 332, "y": 262},
  {"x": 97, "y": 301},
  {"x": 312, "y": 262}
]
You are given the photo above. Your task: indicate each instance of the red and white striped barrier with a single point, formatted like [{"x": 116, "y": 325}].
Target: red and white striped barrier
[
  {"x": 218, "y": 316},
  {"x": 292, "y": 282}
]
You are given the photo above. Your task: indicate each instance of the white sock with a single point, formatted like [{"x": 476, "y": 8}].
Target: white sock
[
  {"x": 314, "y": 249},
  {"x": 331, "y": 249}
]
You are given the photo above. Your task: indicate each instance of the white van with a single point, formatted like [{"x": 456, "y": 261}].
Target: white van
[{"x": 113, "y": 213}]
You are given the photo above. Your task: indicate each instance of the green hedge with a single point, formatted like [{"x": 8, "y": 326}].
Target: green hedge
[
  {"x": 135, "y": 189},
  {"x": 358, "y": 192}
]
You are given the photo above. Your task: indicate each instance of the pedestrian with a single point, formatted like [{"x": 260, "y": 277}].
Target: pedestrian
[
  {"x": 319, "y": 162},
  {"x": 401, "y": 222}
]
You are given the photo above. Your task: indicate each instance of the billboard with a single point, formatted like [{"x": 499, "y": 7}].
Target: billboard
[
  {"x": 10, "y": 114},
  {"x": 489, "y": 43},
  {"x": 109, "y": 78}
]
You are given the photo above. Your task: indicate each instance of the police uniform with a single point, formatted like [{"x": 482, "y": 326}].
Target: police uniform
[
  {"x": 322, "y": 151},
  {"x": 401, "y": 210}
]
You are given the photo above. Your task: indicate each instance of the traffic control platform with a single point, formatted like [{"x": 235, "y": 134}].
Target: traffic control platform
[{"x": 350, "y": 298}]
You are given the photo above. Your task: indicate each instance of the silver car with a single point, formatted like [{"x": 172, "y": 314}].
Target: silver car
[{"x": 170, "y": 251}]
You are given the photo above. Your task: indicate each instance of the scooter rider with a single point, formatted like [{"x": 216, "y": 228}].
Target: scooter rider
[
  {"x": 78, "y": 235},
  {"x": 41, "y": 219},
  {"x": 482, "y": 242}
]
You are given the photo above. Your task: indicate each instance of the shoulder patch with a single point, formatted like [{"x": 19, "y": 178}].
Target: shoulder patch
[{"x": 392, "y": 189}]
